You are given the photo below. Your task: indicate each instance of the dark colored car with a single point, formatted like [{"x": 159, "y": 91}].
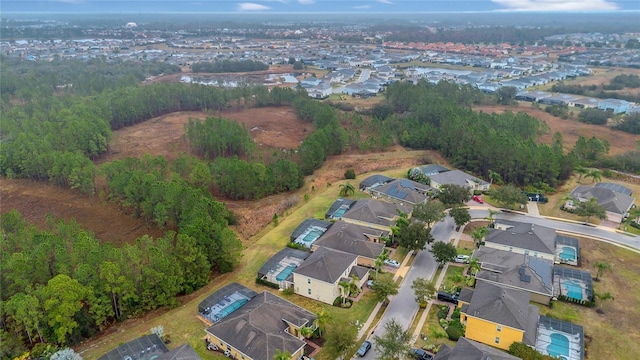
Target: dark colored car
[
  {"x": 364, "y": 348},
  {"x": 421, "y": 354},
  {"x": 445, "y": 296},
  {"x": 537, "y": 197}
]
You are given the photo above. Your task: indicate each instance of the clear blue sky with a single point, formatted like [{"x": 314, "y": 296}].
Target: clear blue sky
[{"x": 315, "y": 6}]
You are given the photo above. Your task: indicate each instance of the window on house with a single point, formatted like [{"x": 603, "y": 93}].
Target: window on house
[
  {"x": 510, "y": 248},
  {"x": 499, "y": 328},
  {"x": 535, "y": 254},
  {"x": 309, "y": 281},
  {"x": 497, "y": 340},
  {"x": 526, "y": 252},
  {"x": 309, "y": 291}
]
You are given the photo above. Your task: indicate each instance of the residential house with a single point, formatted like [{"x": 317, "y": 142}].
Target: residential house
[
  {"x": 516, "y": 271},
  {"x": 318, "y": 277},
  {"x": 532, "y": 96},
  {"x": 374, "y": 181},
  {"x": 376, "y": 214},
  {"x": 522, "y": 238},
  {"x": 560, "y": 339},
  {"x": 466, "y": 349},
  {"x": 616, "y": 199},
  {"x": 182, "y": 352},
  {"x": 560, "y": 99},
  {"x": 261, "y": 328},
  {"x": 586, "y": 103},
  {"x": 403, "y": 191},
  {"x": 354, "y": 239},
  {"x": 498, "y": 316},
  {"x": 460, "y": 178},
  {"x": 616, "y": 105},
  {"x": 279, "y": 268}
]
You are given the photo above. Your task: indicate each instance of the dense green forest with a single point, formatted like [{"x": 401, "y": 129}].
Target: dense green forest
[{"x": 431, "y": 117}]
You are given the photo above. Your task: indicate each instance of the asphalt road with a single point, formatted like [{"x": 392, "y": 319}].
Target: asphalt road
[{"x": 403, "y": 307}]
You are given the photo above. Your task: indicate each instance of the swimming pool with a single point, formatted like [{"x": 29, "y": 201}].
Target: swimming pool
[
  {"x": 312, "y": 236},
  {"x": 573, "y": 289},
  {"x": 341, "y": 210},
  {"x": 568, "y": 254},
  {"x": 559, "y": 346},
  {"x": 284, "y": 274}
]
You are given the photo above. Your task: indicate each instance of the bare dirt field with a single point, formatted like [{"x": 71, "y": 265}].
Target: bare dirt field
[
  {"x": 570, "y": 129},
  {"x": 602, "y": 76},
  {"x": 275, "y": 127},
  {"x": 106, "y": 220}
]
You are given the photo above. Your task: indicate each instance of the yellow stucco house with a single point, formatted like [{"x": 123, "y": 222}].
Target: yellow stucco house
[
  {"x": 260, "y": 328},
  {"x": 318, "y": 277},
  {"x": 497, "y": 316}
]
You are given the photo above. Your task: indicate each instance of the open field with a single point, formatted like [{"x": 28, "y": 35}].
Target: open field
[
  {"x": 570, "y": 129},
  {"x": 602, "y": 76}
]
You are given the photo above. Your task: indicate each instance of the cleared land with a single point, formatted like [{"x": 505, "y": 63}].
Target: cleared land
[
  {"x": 570, "y": 129},
  {"x": 603, "y": 76}
]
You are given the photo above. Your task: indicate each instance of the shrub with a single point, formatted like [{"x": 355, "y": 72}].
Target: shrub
[
  {"x": 350, "y": 174},
  {"x": 442, "y": 313},
  {"x": 267, "y": 283},
  {"x": 455, "y": 330},
  {"x": 293, "y": 245},
  {"x": 444, "y": 323}
]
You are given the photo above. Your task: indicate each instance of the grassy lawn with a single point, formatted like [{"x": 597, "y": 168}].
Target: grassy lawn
[
  {"x": 465, "y": 247},
  {"x": 614, "y": 334},
  {"x": 434, "y": 332},
  {"x": 628, "y": 228},
  {"x": 452, "y": 278}
]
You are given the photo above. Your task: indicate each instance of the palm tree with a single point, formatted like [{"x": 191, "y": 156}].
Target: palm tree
[
  {"x": 307, "y": 331},
  {"x": 479, "y": 234},
  {"x": 474, "y": 266},
  {"x": 282, "y": 355},
  {"x": 491, "y": 217},
  {"x": 346, "y": 189},
  {"x": 345, "y": 289},
  {"x": 601, "y": 266},
  {"x": 582, "y": 171},
  {"x": 378, "y": 264},
  {"x": 603, "y": 297},
  {"x": 595, "y": 175},
  {"x": 322, "y": 320},
  {"x": 494, "y": 177}
]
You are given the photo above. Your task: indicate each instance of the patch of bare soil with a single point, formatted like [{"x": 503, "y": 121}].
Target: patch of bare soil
[
  {"x": 106, "y": 220},
  {"x": 274, "y": 127},
  {"x": 570, "y": 129}
]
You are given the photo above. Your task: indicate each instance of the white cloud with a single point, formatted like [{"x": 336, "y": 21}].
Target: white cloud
[
  {"x": 556, "y": 5},
  {"x": 306, "y": 2},
  {"x": 362, "y": 7},
  {"x": 388, "y": 2},
  {"x": 252, "y": 7}
]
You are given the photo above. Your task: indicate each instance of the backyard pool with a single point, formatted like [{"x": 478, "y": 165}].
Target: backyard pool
[
  {"x": 568, "y": 254},
  {"x": 341, "y": 210},
  {"x": 573, "y": 289},
  {"x": 284, "y": 274},
  {"x": 559, "y": 346}
]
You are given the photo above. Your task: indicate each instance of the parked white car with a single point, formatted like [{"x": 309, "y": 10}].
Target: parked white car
[
  {"x": 462, "y": 259},
  {"x": 392, "y": 263}
]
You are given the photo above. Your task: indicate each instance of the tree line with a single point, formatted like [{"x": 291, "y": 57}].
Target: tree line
[
  {"x": 428, "y": 116},
  {"x": 595, "y": 91},
  {"x": 61, "y": 285}
]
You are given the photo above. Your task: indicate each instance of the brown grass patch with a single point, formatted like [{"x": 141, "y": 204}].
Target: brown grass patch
[
  {"x": 603, "y": 76},
  {"x": 570, "y": 129}
]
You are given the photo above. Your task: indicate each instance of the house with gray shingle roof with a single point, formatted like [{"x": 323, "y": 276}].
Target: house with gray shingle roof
[
  {"x": 262, "y": 327},
  {"x": 460, "y": 178},
  {"x": 498, "y": 316},
  {"x": 616, "y": 200},
  {"x": 318, "y": 277},
  {"x": 522, "y": 238},
  {"x": 355, "y": 239},
  {"x": 374, "y": 213},
  {"x": 467, "y": 349},
  {"x": 374, "y": 181},
  {"x": 403, "y": 191},
  {"x": 516, "y": 271}
]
